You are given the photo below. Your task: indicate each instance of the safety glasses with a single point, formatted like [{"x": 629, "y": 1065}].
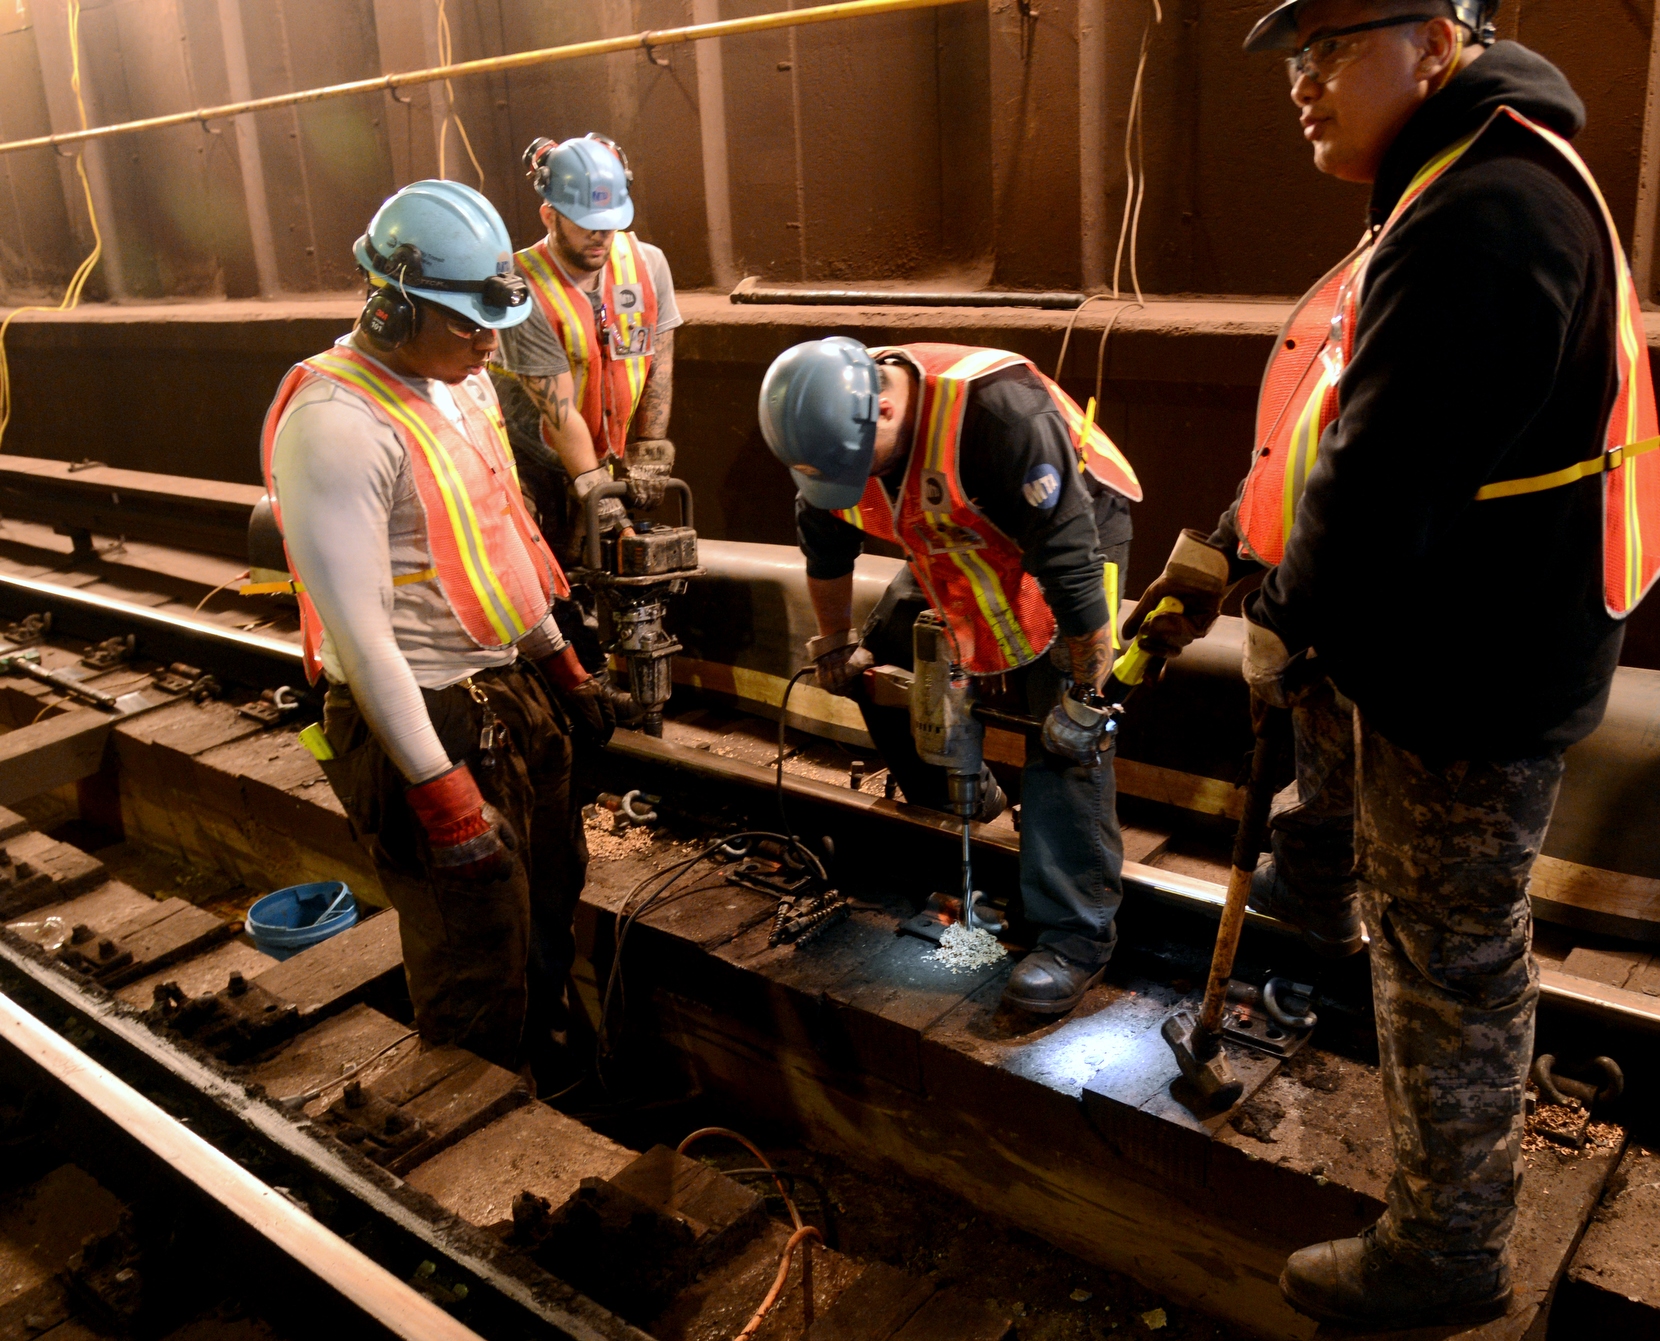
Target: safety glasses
[{"x": 1326, "y": 55}]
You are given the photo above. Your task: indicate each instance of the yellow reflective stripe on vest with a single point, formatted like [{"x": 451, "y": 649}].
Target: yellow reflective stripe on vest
[
  {"x": 624, "y": 270},
  {"x": 1305, "y": 447},
  {"x": 458, "y": 506},
  {"x": 994, "y": 606},
  {"x": 575, "y": 332},
  {"x": 294, "y": 587},
  {"x": 1538, "y": 484},
  {"x": 988, "y": 591}
]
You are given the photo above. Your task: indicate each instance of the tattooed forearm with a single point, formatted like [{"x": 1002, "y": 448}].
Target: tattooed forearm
[
  {"x": 1091, "y": 657},
  {"x": 651, "y": 420},
  {"x": 544, "y": 395}
]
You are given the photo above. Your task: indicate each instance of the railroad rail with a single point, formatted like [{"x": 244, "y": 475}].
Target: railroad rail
[{"x": 858, "y": 1040}]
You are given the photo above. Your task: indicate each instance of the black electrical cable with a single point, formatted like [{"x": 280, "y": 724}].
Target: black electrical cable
[
  {"x": 783, "y": 718},
  {"x": 615, "y": 989}
]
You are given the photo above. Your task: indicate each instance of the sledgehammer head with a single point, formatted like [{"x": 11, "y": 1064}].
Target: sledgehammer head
[{"x": 1204, "y": 1064}]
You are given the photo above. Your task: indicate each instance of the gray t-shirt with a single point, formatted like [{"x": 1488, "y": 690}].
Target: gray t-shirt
[{"x": 531, "y": 348}]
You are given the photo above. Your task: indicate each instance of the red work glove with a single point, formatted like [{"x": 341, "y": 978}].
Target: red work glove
[
  {"x": 584, "y": 696},
  {"x": 465, "y": 834}
]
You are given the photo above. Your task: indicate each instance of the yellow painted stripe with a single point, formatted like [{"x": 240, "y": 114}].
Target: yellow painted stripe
[{"x": 458, "y": 505}]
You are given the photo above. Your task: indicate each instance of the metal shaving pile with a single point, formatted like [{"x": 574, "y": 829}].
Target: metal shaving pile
[
  {"x": 1555, "y": 1120},
  {"x": 607, "y": 844},
  {"x": 962, "y": 950}
]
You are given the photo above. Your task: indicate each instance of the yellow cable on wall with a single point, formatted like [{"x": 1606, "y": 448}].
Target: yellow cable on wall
[
  {"x": 77, "y": 281},
  {"x": 450, "y": 114}
]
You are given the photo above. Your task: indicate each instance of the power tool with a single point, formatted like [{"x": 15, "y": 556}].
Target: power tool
[{"x": 632, "y": 576}]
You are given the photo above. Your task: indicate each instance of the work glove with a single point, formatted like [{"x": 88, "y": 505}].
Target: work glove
[
  {"x": 839, "y": 660},
  {"x": 593, "y": 714},
  {"x": 1266, "y": 661},
  {"x": 1078, "y": 726},
  {"x": 468, "y": 839},
  {"x": 612, "y": 515},
  {"x": 650, "y": 463},
  {"x": 1196, "y": 574}
]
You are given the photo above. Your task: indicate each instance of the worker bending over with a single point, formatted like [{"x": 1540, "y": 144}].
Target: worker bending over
[
  {"x": 587, "y": 380},
  {"x": 1453, "y": 529},
  {"x": 425, "y": 592},
  {"x": 1013, "y": 513}
]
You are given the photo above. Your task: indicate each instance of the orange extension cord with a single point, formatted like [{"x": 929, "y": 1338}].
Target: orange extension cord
[{"x": 803, "y": 1232}]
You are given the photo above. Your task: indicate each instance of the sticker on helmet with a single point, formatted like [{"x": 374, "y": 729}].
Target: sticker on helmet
[
  {"x": 601, "y": 195},
  {"x": 1042, "y": 488}
]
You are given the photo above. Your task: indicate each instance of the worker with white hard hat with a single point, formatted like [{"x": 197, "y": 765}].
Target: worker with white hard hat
[
  {"x": 1012, "y": 507},
  {"x": 425, "y": 595},
  {"x": 587, "y": 381},
  {"x": 1454, "y": 502}
]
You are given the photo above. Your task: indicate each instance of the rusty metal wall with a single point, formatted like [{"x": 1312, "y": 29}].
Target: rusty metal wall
[{"x": 937, "y": 145}]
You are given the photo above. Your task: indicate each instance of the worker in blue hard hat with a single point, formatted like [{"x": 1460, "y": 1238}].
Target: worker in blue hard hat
[
  {"x": 1452, "y": 454},
  {"x": 587, "y": 381},
  {"x": 1012, "y": 508},
  {"x": 425, "y": 595}
]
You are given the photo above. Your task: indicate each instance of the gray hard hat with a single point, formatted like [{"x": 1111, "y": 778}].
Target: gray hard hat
[
  {"x": 1277, "y": 31},
  {"x": 819, "y": 405}
]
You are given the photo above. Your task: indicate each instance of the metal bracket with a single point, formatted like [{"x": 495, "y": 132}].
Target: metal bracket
[{"x": 271, "y": 706}]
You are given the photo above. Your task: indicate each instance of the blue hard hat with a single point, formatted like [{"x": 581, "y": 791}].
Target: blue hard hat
[
  {"x": 1277, "y": 31},
  {"x": 444, "y": 242},
  {"x": 585, "y": 179},
  {"x": 819, "y": 404}
]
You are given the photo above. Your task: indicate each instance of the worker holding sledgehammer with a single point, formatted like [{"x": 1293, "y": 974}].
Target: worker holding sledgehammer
[{"x": 1455, "y": 496}]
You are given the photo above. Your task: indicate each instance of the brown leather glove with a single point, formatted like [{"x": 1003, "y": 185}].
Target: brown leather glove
[
  {"x": 838, "y": 661},
  {"x": 650, "y": 463},
  {"x": 1196, "y": 574}
]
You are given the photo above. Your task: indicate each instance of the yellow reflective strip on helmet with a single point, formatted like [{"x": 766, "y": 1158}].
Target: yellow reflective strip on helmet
[
  {"x": 994, "y": 605},
  {"x": 575, "y": 333},
  {"x": 458, "y": 506}
]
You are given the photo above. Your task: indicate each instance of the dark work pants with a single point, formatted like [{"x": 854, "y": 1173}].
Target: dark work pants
[
  {"x": 486, "y": 963},
  {"x": 1445, "y": 853},
  {"x": 1071, "y": 851}
]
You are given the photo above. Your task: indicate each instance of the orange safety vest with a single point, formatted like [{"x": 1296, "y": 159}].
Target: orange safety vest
[
  {"x": 488, "y": 557},
  {"x": 609, "y": 363},
  {"x": 1299, "y": 400},
  {"x": 971, "y": 572}
]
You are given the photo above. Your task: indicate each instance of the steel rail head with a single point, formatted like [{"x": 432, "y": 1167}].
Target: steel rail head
[{"x": 569, "y": 1317}]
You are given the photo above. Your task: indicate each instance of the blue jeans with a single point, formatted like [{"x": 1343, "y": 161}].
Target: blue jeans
[{"x": 1071, "y": 851}]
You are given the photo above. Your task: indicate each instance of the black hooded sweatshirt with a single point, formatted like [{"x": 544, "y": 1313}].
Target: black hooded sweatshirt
[{"x": 1485, "y": 351}]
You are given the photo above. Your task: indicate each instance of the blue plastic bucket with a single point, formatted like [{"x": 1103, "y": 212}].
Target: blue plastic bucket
[{"x": 284, "y": 923}]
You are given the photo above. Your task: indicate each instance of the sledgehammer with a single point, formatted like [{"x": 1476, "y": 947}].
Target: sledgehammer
[{"x": 1198, "y": 1043}]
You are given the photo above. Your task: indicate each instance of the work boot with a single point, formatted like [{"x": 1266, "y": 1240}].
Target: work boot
[
  {"x": 1330, "y": 926},
  {"x": 1356, "y": 1283},
  {"x": 1046, "y": 982}
]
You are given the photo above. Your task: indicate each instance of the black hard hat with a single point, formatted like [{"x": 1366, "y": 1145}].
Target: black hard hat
[{"x": 1278, "y": 30}]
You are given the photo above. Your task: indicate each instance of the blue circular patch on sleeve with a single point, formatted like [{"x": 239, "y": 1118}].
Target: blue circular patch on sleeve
[{"x": 1042, "y": 488}]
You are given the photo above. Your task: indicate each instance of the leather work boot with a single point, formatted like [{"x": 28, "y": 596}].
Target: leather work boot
[
  {"x": 1046, "y": 982},
  {"x": 1356, "y": 1283},
  {"x": 1330, "y": 927}
]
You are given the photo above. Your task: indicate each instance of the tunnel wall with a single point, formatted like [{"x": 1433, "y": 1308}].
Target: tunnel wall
[{"x": 941, "y": 145}]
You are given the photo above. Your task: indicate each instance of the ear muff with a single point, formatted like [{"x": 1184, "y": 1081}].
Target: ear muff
[{"x": 390, "y": 317}]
